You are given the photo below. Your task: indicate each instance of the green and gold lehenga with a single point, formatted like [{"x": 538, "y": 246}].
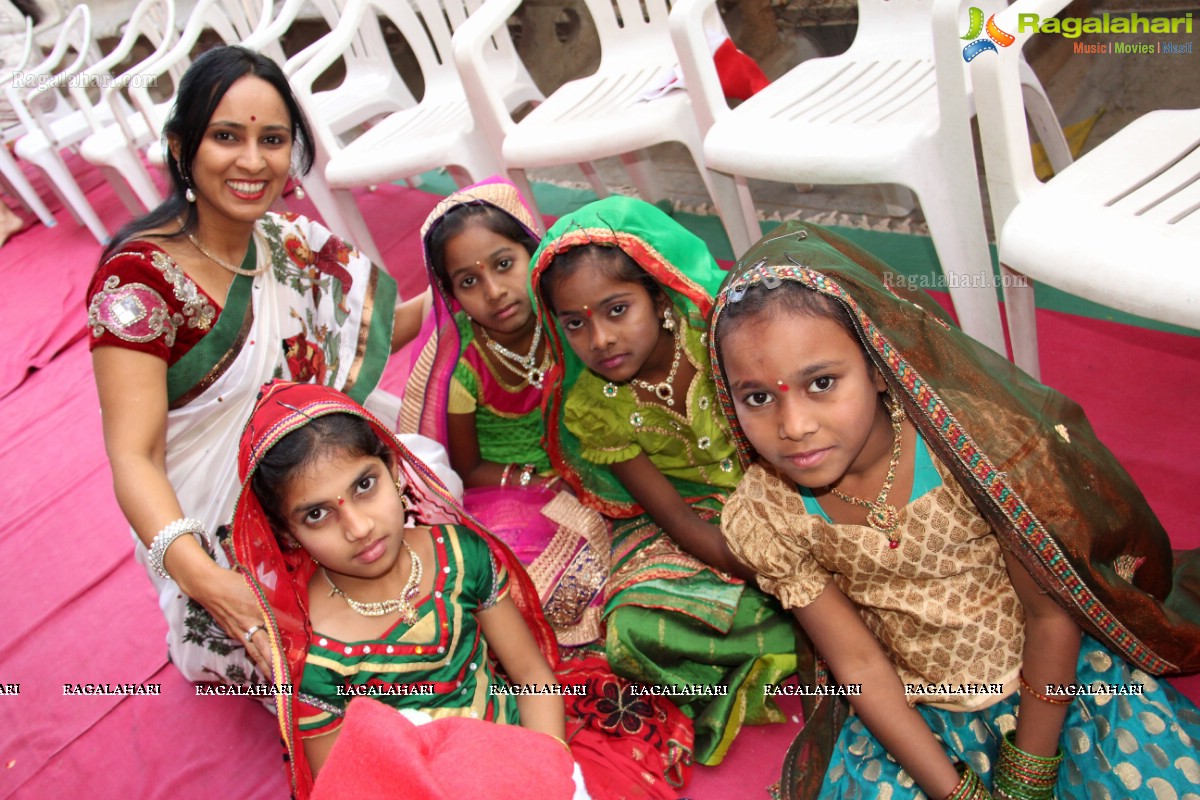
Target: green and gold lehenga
[
  {"x": 671, "y": 620},
  {"x": 1029, "y": 468}
]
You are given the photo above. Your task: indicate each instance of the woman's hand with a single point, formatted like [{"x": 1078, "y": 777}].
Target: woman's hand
[
  {"x": 225, "y": 594},
  {"x": 133, "y": 400}
]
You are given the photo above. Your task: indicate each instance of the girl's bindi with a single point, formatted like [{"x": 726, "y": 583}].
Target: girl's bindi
[
  {"x": 341, "y": 502},
  {"x": 587, "y": 311},
  {"x": 783, "y": 387},
  {"x": 253, "y": 118}
]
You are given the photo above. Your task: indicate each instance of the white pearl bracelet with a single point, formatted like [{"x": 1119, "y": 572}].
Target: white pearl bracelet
[{"x": 167, "y": 536}]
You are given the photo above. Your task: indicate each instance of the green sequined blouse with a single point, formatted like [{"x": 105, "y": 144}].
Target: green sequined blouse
[{"x": 613, "y": 425}]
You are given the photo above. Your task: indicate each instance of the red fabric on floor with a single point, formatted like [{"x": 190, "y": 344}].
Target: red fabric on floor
[{"x": 76, "y": 608}]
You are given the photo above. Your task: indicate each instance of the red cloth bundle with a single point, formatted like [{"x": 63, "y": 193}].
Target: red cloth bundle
[{"x": 380, "y": 754}]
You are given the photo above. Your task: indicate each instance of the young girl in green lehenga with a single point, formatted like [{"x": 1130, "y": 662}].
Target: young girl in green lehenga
[
  {"x": 632, "y": 425},
  {"x": 957, "y": 544}
]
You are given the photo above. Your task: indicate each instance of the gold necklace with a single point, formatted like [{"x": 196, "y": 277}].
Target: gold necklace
[
  {"x": 665, "y": 391},
  {"x": 403, "y": 603},
  {"x": 249, "y": 273},
  {"x": 880, "y": 515}
]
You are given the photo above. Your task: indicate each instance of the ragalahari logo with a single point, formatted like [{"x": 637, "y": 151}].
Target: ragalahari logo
[{"x": 976, "y": 28}]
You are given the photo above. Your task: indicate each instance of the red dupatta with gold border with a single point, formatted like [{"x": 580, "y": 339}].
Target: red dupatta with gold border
[{"x": 279, "y": 579}]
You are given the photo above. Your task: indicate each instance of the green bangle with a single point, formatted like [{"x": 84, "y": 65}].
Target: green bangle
[
  {"x": 1024, "y": 776},
  {"x": 969, "y": 787}
]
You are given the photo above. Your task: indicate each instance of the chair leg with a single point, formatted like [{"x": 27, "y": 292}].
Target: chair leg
[
  {"x": 898, "y": 201},
  {"x": 735, "y": 206},
  {"x": 641, "y": 169},
  {"x": 1045, "y": 121},
  {"x": 134, "y": 172},
  {"x": 521, "y": 180},
  {"x": 1022, "y": 320},
  {"x": 342, "y": 216},
  {"x": 23, "y": 189},
  {"x": 598, "y": 186},
  {"x": 955, "y": 217},
  {"x": 117, "y": 181},
  {"x": 72, "y": 196}
]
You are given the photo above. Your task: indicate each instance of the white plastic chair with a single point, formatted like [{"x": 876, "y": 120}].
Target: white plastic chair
[
  {"x": 231, "y": 20},
  {"x": 438, "y": 131},
  {"x": 887, "y": 111},
  {"x": 13, "y": 177},
  {"x": 1120, "y": 226},
  {"x": 598, "y": 116},
  {"x": 370, "y": 89},
  {"x": 52, "y": 122},
  {"x": 114, "y": 147}
]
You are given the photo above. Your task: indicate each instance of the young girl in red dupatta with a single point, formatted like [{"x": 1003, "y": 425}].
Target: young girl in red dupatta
[
  {"x": 476, "y": 387},
  {"x": 373, "y": 581},
  {"x": 973, "y": 564}
]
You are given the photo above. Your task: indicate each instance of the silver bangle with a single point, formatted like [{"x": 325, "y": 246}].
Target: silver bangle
[
  {"x": 526, "y": 475},
  {"x": 167, "y": 536}
]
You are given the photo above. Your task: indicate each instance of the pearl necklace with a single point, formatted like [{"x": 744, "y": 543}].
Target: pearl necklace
[
  {"x": 665, "y": 391},
  {"x": 881, "y": 516},
  {"x": 403, "y": 603},
  {"x": 249, "y": 273},
  {"x": 524, "y": 365}
]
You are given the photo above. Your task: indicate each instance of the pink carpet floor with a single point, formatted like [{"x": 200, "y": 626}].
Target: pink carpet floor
[{"x": 75, "y": 608}]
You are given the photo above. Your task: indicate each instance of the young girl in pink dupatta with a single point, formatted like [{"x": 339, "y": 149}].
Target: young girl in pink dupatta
[{"x": 476, "y": 387}]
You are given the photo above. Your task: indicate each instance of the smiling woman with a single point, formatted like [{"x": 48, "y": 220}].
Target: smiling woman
[{"x": 196, "y": 305}]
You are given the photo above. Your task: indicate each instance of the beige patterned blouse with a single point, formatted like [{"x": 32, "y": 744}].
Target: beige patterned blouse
[{"x": 941, "y": 603}]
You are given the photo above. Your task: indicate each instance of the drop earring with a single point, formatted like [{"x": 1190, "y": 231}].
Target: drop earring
[
  {"x": 189, "y": 194},
  {"x": 297, "y": 187},
  {"x": 668, "y": 322},
  {"x": 895, "y": 408}
]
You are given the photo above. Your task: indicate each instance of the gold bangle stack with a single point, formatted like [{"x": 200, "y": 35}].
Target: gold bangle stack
[
  {"x": 1024, "y": 776},
  {"x": 970, "y": 786}
]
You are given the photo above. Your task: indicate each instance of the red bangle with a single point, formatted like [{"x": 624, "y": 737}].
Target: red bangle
[
  {"x": 1045, "y": 698},
  {"x": 504, "y": 475}
]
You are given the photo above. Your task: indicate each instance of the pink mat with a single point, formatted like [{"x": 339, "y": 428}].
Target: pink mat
[{"x": 77, "y": 609}]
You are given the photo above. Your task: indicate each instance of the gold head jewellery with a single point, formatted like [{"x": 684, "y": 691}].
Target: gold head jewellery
[
  {"x": 403, "y": 603},
  {"x": 880, "y": 515}
]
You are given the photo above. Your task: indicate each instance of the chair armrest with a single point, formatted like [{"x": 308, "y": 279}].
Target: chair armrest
[
  {"x": 322, "y": 54},
  {"x": 274, "y": 29},
  {"x": 301, "y": 58},
  {"x": 686, "y": 24},
  {"x": 329, "y": 47},
  {"x": 267, "y": 34},
  {"x": 1000, "y": 110},
  {"x": 486, "y": 101},
  {"x": 100, "y": 73}
]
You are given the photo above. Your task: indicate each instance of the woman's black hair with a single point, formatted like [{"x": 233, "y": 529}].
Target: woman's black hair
[
  {"x": 456, "y": 219},
  {"x": 201, "y": 90},
  {"x": 347, "y": 434},
  {"x": 614, "y": 262}
]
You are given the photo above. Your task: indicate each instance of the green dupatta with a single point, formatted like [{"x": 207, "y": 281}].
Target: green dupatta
[
  {"x": 1055, "y": 496},
  {"x": 681, "y": 264}
]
